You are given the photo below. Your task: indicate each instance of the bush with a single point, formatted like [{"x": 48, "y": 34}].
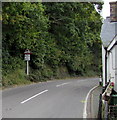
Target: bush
[{"x": 18, "y": 77}]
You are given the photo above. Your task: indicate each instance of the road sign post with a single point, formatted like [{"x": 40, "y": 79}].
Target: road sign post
[
  {"x": 27, "y": 72},
  {"x": 27, "y": 59}
]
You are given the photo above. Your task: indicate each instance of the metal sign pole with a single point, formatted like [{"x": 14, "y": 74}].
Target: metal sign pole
[{"x": 27, "y": 67}]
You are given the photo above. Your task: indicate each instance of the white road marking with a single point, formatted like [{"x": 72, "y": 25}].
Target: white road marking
[
  {"x": 63, "y": 84},
  {"x": 34, "y": 96},
  {"x": 85, "y": 104}
]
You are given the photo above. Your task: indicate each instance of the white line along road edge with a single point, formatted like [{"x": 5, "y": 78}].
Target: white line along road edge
[
  {"x": 63, "y": 84},
  {"x": 86, "y": 101},
  {"x": 34, "y": 96}
]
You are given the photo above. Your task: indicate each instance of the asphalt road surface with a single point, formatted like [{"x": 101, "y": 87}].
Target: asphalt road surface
[{"x": 53, "y": 99}]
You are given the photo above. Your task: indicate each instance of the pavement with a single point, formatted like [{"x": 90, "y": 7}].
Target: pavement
[
  {"x": 54, "y": 99},
  {"x": 93, "y": 102}
]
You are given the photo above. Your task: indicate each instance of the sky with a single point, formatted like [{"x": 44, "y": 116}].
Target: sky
[{"x": 106, "y": 8}]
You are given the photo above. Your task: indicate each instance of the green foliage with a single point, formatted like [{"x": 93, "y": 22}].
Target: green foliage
[
  {"x": 61, "y": 37},
  {"x": 18, "y": 77},
  {"x": 76, "y": 29},
  {"x": 41, "y": 75}
]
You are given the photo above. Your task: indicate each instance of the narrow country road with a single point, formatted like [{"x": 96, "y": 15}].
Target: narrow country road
[{"x": 53, "y": 99}]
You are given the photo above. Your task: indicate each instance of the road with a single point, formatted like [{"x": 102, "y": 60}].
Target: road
[{"x": 53, "y": 99}]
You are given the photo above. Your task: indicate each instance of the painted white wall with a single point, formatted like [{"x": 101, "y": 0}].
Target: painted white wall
[
  {"x": 116, "y": 67},
  {"x": 108, "y": 66},
  {"x": 112, "y": 63},
  {"x": 103, "y": 65}
]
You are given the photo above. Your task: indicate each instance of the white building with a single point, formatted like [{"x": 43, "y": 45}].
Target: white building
[{"x": 109, "y": 46}]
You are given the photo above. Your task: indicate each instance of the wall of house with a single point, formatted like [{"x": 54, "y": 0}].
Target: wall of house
[
  {"x": 103, "y": 65},
  {"x": 112, "y": 64},
  {"x": 116, "y": 67}
]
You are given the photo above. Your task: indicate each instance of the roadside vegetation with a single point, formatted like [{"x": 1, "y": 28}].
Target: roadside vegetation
[{"x": 64, "y": 39}]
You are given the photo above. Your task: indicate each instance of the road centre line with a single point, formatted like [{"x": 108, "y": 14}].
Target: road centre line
[
  {"x": 63, "y": 84},
  {"x": 34, "y": 96},
  {"x": 85, "y": 104}
]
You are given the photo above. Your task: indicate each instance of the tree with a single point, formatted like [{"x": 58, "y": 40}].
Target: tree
[
  {"x": 24, "y": 26},
  {"x": 58, "y": 35},
  {"x": 76, "y": 29}
]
